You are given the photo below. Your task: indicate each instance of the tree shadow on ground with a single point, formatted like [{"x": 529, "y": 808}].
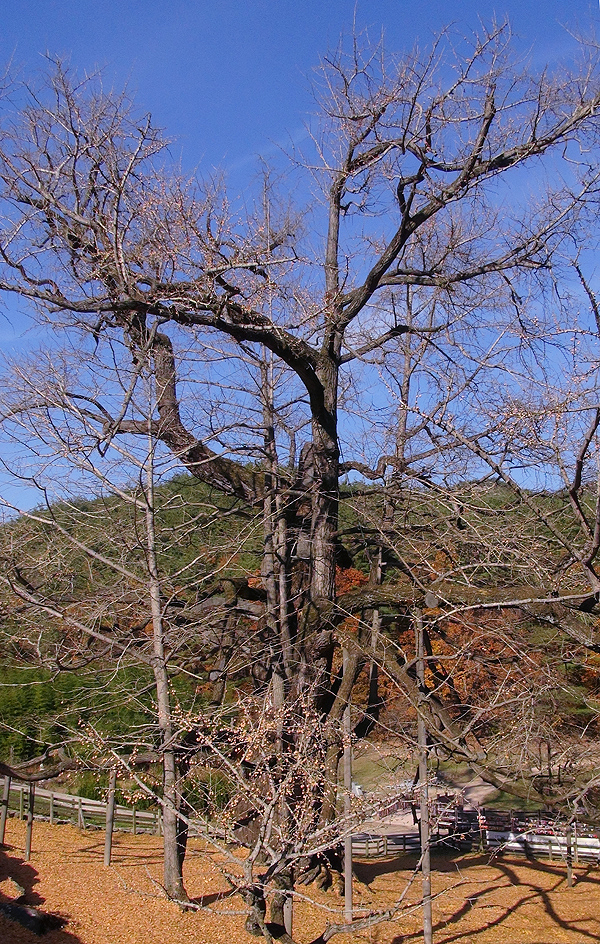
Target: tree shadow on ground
[
  {"x": 122, "y": 853},
  {"x": 366, "y": 870},
  {"x": 17, "y": 875},
  {"x": 204, "y": 901},
  {"x": 15, "y": 868},
  {"x": 530, "y": 890}
]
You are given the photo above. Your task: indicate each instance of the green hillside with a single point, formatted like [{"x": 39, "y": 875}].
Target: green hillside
[{"x": 83, "y": 566}]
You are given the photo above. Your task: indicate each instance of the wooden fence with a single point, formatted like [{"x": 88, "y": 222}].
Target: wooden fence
[
  {"x": 29, "y": 801},
  {"x": 69, "y": 808},
  {"x": 514, "y": 831},
  {"x": 533, "y": 835},
  {"x": 372, "y": 845}
]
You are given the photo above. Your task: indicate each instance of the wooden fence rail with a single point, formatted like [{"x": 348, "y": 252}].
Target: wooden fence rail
[
  {"x": 463, "y": 829},
  {"x": 534, "y": 845},
  {"x": 373, "y": 845},
  {"x": 530, "y": 844},
  {"x": 69, "y": 808}
]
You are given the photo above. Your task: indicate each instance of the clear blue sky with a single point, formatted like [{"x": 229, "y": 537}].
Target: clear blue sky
[{"x": 230, "y": 79}]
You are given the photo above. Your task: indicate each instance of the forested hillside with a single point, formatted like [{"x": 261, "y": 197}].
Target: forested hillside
[{"x": 466, "y": 548}]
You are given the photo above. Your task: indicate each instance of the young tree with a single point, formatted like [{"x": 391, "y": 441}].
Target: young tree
[{"x": 104, "y": 583}]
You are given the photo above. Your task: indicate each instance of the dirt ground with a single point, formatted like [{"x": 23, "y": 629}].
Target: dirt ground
[{"x": 508, "y": 901}]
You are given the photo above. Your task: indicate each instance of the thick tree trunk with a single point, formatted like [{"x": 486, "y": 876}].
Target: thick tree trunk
[
  {"x": 173, "y": 861},
  {"x": 281, "y": 906},
  {"x": 324, "y": 527}
]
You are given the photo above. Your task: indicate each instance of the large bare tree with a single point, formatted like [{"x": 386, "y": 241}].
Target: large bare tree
[{"x": 449, "y": 182}]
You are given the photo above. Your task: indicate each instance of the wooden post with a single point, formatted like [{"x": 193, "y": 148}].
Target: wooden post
[
  {"x": 575, "y": 849},
  {"x": 4, "y": 814},
  {"x": 21, "y": 788},
  {"x": 80, "y": 819},
  {"x": 347, "y": 734},
  {"x": 110, "y": 815},
  {"x": 288, "y": 915},
  {"x": 423, "y": 787},
  {"x": 29, "y": 829},
  {"x": 52, "y": 809},
  {"x": 134, "y": 821},
  {"x": 569, "y": 835}
]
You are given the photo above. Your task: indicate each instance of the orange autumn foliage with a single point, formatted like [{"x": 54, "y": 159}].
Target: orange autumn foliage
[{"x": 349, "y": 578}]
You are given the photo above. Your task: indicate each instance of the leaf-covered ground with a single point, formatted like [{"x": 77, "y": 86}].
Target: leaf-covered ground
[{"x": 510, "y": 901}]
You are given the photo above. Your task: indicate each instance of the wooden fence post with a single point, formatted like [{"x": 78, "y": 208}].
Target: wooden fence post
[
  {"x": 80, "y": 818},
  {"x": 569, "y": 835},
  {"x": 29, "y": 822},
  {"x": 21, "y": 788},
  {"x": 52, "y": 809},
  {"x": 110, "y": 815},
  {"x": 4, "y": 814}
]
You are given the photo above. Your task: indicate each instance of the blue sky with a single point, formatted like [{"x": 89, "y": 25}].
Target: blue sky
[{"x": 229, "y": 80}]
